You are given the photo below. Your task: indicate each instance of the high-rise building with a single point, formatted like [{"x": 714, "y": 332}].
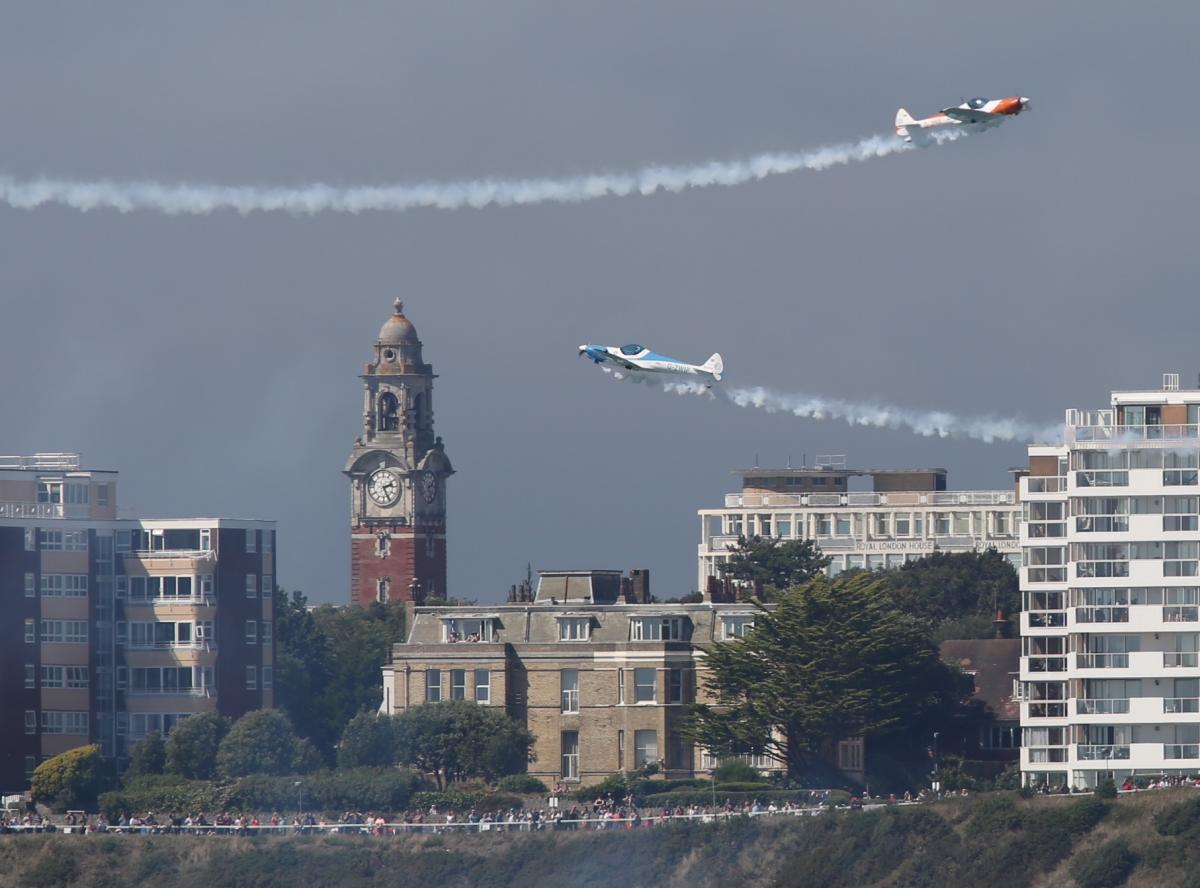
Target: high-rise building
[
  {"x": 1111, "y": 585},
  {"x": 117, "y": 627},
  {"x": 397, "y": 471},
  {"x": 907, "y": 514}
]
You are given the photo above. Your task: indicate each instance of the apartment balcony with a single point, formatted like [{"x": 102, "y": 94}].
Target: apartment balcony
[
  {"x": 1039, "y": 665},
  {"x": 1123, "y": 710},
  {"x": 1102, "y": 753},
  {"x": 1039, "y": 487},
  {"x": 1176, "y": 751},
  {"x": 1129, "y": 435},
  {"x": 204, "y": 645},
  {"x": 1181, "y": 704},
  {"x": 44, "y": 510},
  {"x": 171, "y": 554},
  {"x": 853, "y": 500},
  {"x": 1043, "y": 709},
  {"x": 172, "y": 692},
  {"x": 1176, "y": 660},
  {"x": 1102, "y": 661},
  {"x": 1117, "y": 706}
]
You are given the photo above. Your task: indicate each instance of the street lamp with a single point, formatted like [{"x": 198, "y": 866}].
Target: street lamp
[
  {"x": 300, "y": 804},
  {"x": 936, "y": 785}
]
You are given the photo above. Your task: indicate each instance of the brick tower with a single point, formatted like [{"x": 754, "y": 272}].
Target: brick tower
[{"x": 398, "y": 473}]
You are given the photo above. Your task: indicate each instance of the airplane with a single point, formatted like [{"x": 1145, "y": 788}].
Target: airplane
[
  {"x": 982, "y": 113},
  {"x": 640, "y": 359}
]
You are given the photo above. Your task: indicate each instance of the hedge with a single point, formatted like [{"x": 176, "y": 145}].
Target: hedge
[
  {"x": 465, "y": 799},
  {"x": 705, "y": 797}
]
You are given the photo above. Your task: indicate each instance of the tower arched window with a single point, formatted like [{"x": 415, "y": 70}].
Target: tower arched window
[
  {"x": 389, "y": 412},
  {"x": 382, "y": 587}
]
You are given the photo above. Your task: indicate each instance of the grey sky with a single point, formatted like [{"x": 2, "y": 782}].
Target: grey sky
[{"x": 214, "y": 360}]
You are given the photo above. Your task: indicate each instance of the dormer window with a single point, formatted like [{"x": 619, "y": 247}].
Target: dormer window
[
  {"x": 574, "y": 628},
  {"x": 736, "y": 626},
  {"x": 468, "y": 629},
  {"x": 656, "y": 629}
]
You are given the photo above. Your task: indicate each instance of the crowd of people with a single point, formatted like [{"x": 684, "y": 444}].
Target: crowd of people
[{"x": 603, "y": 813}]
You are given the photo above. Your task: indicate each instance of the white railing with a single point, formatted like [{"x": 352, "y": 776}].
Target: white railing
[
  {"x": 208, "y": 600},
  {"x": 169, "y": 553},
  {"x": 202, "y": 645},
  {"x": 1113, "y": 432},
  {"x": 1116, "y": 706},
  {"x": 1183, "y": 659},
  {"x": 904, "y": 498},
  {"x": 1102, "y": 661},
  {"x": 42, "y": 461},
  {"x": 32, "y": 510},
  {"x": 1181, "y": 750},
  {"x": 1101, "y": 753},
  {"x": 170, "y": 692},
  {"x": 1181, "y": 704},
  {"x": 1045, "y": 483}
]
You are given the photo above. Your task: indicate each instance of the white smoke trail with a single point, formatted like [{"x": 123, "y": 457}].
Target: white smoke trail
[
  {"x": 929, "y": 424},
  {"x": 199, "y": 199}
]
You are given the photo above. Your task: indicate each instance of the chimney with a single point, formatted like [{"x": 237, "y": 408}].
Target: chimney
[
  {"x": 1001, "y": 625},
  {"x": 639, "y": 581}
]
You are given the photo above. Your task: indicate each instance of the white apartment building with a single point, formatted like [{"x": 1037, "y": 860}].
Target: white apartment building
[
  {"x": 1111, "y": 618},
  {"x": 907, "y": 514}
]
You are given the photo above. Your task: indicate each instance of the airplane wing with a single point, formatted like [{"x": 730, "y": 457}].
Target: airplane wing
[{"x": 969, "y": 115}]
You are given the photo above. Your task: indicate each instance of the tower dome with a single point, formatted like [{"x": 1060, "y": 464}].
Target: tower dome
[{"x": 398, "y": 330}]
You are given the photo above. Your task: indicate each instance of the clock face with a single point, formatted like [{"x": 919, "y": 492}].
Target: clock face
[
  {"x": 429, "y": 487},
  {"x": 384, "y": 487}
]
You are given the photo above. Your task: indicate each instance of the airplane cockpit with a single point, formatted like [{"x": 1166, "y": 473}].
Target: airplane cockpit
[
  {"x": 977, "y": 103},
  {"x": 631, "y": 349}
]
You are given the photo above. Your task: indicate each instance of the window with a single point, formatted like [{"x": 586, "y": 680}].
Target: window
[
  {"x": 675, "y": 686},
  {"x": 657, "y": 629},
  {"x": 64, "y": 723},
  {"x": 30, "y": 721},
  {"x": 102, "y": 494},
  {"x": 30, "y": 675},
  {"x": 64, "y": 585},
  {"x": 251, "y": 542},
  {"x": 570, "y": 755},
  {"x": 483, "y": 686},
  {"x": 63, "y": 540},
  {"x": 736, "y": 626},
  {"x": 645, "y": 748},
  {"x": 251, "y": 632},
  {"x": 620, "y": 685},
  {"x": 268, "y": 541},
  {"x": 251, "y": 585},
  {"x": 64, "y": 631},
  {"x": 30, "y": 585},
  {"x": 1000, "y": 737},
  {"x": 30, "y": 540},
  {"x": 268, "y": 585},
  {"x": 206, "y": 586},
  {"x": 30, "y": 632},
  {"x": 473, "y": 629},
  {"x": 620, "y": 750},
  {"x": 30, "y": 766},
  {"x": 644, "y": 686},
  {"x": 49, "y": 492},
  {"x": 458, "y": 684},
  {"x": 941, "y": 524},
  {"x": 433, "y": 686},
  {"x": 77, "y": 494},
  {"x": 77, "y": 677},
  {"x": 52, "y": 677},
  {"x": 268, "y": 677},
  {"x": 574, "y": 628},
  {"x": 251, "y": 678},
  {"x": 569, "y": 684},
  {"x": 267, "y": 632}
]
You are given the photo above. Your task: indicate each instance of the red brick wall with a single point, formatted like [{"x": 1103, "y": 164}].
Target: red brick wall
[{"x": 408, "y": 558}]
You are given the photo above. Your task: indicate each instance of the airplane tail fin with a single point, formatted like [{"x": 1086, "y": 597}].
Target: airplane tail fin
[
  {"x": 903, "y": 121},
  {"x": 715, "y": 366}
]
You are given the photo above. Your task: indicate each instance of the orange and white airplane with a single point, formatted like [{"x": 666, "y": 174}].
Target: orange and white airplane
[{"x": 981, "y": 113}]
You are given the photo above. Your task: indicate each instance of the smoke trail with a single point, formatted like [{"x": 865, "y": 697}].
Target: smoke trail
[
  {"x": 929, "y": 424},
  {"x": 126, "y": 197}
]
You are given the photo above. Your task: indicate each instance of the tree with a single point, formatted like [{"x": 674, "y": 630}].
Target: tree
[
  {"x": 328, "y": 660},
  {"x": 192, "y": 747},
  {"x": 72, "y": 779},
  {"x": 263, "y": 742},
  {"x": 773, "y": 564},
  {"x": 149, "y": 756},
  {"x": 457, "y": 739},
  {"x": 834, "y": 659},
  {"x": 368, "y": 742},
  {"x": 964, "y": 589}
]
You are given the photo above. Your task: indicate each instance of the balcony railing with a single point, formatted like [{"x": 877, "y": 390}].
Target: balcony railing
[
  {"x": 1181, "y": 750},
  {"x": 1046, "y": 619},
  {"x": 1047, "y": 754},
  {"x": 199, "y": 600},
  {"x": 1101, "y": 615},
  {"x": 202, "y": 645},
  {"x": 1181, "y": 704},
  {"x": 1133, "y": 432},
  {"x": 1102, "y": 661},
  {"x": 32, "y": 510},
  {"x": 1048, "y": 709},
  {"x": 169, "y": 553},
  {"x": 1180, "y": 614},
  {"x": 1101, "y": 753},
  {"x": 175, "y": 692},
  {"x": 904, "y": 498},
  {"x": 1047, "y": 664},
  {"x": 1116, "y": 706},
  {"x": 1181, "y": 659},
  {"x": 1046, "y": 484}
]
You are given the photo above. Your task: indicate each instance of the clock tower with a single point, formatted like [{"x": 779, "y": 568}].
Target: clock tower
[{"x": 398, "y": 473}]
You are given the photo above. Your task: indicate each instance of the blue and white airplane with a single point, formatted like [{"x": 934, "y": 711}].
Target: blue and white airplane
[{"x": 639, "y": 359}]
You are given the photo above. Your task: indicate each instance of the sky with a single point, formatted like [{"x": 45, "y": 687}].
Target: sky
[{"x": 213, "y": 360}]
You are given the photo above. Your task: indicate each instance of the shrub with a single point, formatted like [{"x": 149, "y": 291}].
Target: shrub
[
  {"x": 165, "y": 794},
  {"x": 357, "y": 789},
  {"x": 705, "y": 797},
  {"x": 462, "y": 800},
  {"x": 1106, "y": 789},
  {"x": 263, "y": 742},
  {"x": 614, "y": 784},
  {"x": 72, "y": 779},
  {"x": 149, "y": 756},
  {"x": 521, "y": 783},
  {"x": 748, "y": 786},
  {"x": 367, "y": 742},
  {"x": 735, "y": 771},
  {"x": 1106, "y": 867},
  {"x": 995, "y": 815},
  {"x": 1178, "y": 819},
  {"x": 193, "y": 745}
]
